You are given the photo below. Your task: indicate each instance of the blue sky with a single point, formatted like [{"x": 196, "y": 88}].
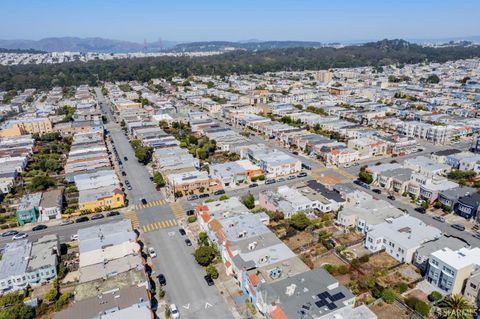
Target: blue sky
[{"x": 195, "y": 20}]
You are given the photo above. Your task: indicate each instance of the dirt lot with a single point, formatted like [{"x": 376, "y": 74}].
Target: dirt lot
[
  {"x": 386, "y": 311},
  {"x": 405, "y": 273},
  {"x": 378, "y": 262},
  {"x": 349, "y": 239},
  {"x": 418, "y": 294},
  {"x": 332, "y": 259},
  {"x": 299, "y": 240}
]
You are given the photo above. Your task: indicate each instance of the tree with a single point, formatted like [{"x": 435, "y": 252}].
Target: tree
[
  {"x": 365, "y": 176},
  {"x": 418, "y": 305},
  {"x": 456, "y": 307},
  {"x": 299, "y": 221},
  {"x": 41, "y": 183},
  {"x": 435, "y": 296},
  {"x": 223, "y": 197},
  {"x": 204, "y": 255},
  {"x": 388, "y": 295},
  {"x": 212, "y": 271},
  {"x": 63, "y": 300},
  {"x": 433, "y": 78},
  {"x": 203, "y": 238},
  {"x": 51, "y": 295},
  {"x": 18, "y": 311},
  {"x": 249, "y": 201},
  {"x": 158, "y": 179}
]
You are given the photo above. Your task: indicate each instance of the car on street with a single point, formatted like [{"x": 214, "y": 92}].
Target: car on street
[
  {"x": 281, "y": 180},
  {"x": 127, "y": 182},
  {"x": 439, "y": 218},
  {"x": 391, "y": 197},
  {"x": 421, "y": 210},
  {"x": 74, "y": 237},
  {"x": 124, "y": 173},
  {"x": 113, "y": 213},
  {"x": 190, "y": 212},
  {"x": 209, "y": 280},
  {"x": 376, "y": 190},
  {"x": 270, "y": 181},
  {"x": 203, "y": 195},
  {"x": 97, "y": 216},
  {"x": 302, "y": 174},
  {"x": 151, "y": 252},
  {"x": 219, "y": 192},
  {"x": 476, "y": 235},
  {"x": 182, "y": 231},
  {"x": 20, "y": 236},
  {"x": 174, "y": 311},
  {"x": 67, "y": 222},
  {"x": 458, "y": 227},
  {"x": 253, "y": 185},
  {"x": 162, "y": 280},
  {"x": 403, "y": 210},
  {"x": 9, "y": 233},
  {"x": 120, "y": 162},
  {"x": 82, "y": 219},
  {"x": 295, "y": 153},
  {"x": 39, "y": 227},
  {"x": 129, "y": 187},
  {"x": 144, "y": 201},
  {"x": 188, "y": 242},
  {"x": 125, "y": 158},
  {"x": 291, "y": 177},
  {"x": 362, "y": 184},
  {"x": 192, "y": 197}
]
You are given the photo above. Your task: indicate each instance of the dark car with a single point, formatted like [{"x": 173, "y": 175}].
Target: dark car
[
  {"x": 458, "y": 227},
  {"x": 391, "y": 197},
  {"x": 190, "y": 212},
  {"x": 192, "y": 197},
  {"x": 376, "y": 190},
  {"x": 295, "y": 153},
  {"x": 182, "y": 231},
  {"x": 421, "y": 210},
  {"x": 113, "y": 213},
  {"x": 203, "y": 195},
  {"x": 97, "y": 216},
  {"x": 188, "y": 242},
  {"x": 209, "y": 280},
  {"x": 9, "y": 233},
  {"x": 303, "y": 174},
  {"x": 82, "y": 219},
  {"x": 120, "y": 162},
  {"x": 476, "y": 235},
  {"x": 360, "y": 183},
  {"x": 403, "y": 210},
  {"x": 253, "y": 185},
  {"x": 125, "y": 158},
  {"x": 162, "y": 280},
  {"x": 219, "y": 192},
  {"x": 124, "y": 173},
  {"x": 39, "y": 227},
  {"x": 144, "y": 201}
]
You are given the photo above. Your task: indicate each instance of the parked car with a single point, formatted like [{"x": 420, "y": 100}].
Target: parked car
[
  {"x": 391, "y": 197},
  {"x": 182, "y": 231},
  {"x": 97, "y": 216},
  {"x": 295, "y": 153},
  {"x": 192, "y": 197},
  {"x": 209, "y": 280},
  {"x": 9, "y": 233},
  {"x": 124, "y": 173},
  {"x": 82, "y": 219},
  {"x": 162, "y": 280},
  {"x": 74, "y": 237},
  {"x": 281, "y": 180},
  {"x": 421, "y": 210},
  {"x": 129, "y": 187},
  {"x": 439, "y": 218},
  {"x": 362, "y": 184},
  {"x": 376, "y": 190},
  {"x": 190, "y": 212},
  {"x": 20, "y": 236},
  {"x": 253, "y": 185},
  {"x": 403, "y": 210},
  {"x": 476, "y": 235},
  {"x": 291, "y": 177},
  {"x": 270, "y": 181},
  {"x": 67, "y": 222},
  {"x": 151, "y": 252},
  {"x": 39, "y": 227},
  {"x": 219, "y": 192},
  {"x": 174, "y": 311},
  {"x": 113, "y": 213},
  {"x": 125, "y": 158},
  {"x": 302, "y": 174},
  {"x": 144, "y": 201},
  {"x": 458, "y": 227},
  {"x": 188, "y": 242},
  {"x": 203, "y": 195}
]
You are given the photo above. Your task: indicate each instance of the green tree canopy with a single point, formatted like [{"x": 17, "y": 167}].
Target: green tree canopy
[{"x": 299, "y": 221}]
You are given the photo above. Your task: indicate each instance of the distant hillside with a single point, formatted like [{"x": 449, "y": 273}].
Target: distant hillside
[
  {"x": 376, "y": 54},
  {"x": 246, "y": 45},
  {"x": 82, "y": 45},
  {"x": 3, "y": 50}
]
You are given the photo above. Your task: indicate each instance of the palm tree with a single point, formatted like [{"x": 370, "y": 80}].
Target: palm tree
[{"x": 456, "y": 307}]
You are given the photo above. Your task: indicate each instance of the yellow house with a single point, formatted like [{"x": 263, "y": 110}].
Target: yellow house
[
  {"x": 36, "y": 125},
  {"x": 12, "y": 131},
  {"x": 100, "y": 197}
]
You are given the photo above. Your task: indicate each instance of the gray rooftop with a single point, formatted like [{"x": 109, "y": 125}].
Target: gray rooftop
[
  {"x": 444, "y": 241},
  {"x": 15, "y": 258},
  {"x": 44, "y": 253},
  {"x": 96, "y": 237}
]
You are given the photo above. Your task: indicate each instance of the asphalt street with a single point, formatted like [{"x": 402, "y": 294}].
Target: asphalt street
[{"x": 185, "y": 284}]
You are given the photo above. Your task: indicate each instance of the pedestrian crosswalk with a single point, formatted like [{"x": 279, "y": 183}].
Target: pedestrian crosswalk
[
  {"x": 344, "y": 173},
  {"x": 159, "y": 225},
  {"x": 133, "y": 218},
  {"x": 150, "y": 204},
  {"x": 177, "y": 210}
]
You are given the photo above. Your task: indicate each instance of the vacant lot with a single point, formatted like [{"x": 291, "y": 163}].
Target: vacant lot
[
  {"x": 405, "y": 273},
  {"x": 377, "y": 263},
  {"x": 349, "y": 239},
  {"x": 390, "y": 311},
  {"x": 301, "y": 239}
]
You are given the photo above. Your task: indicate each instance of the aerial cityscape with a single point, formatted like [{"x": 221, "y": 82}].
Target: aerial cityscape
[{"x": 167, "y": 167}]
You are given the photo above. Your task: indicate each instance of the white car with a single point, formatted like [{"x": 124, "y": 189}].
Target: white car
[
  {"x": 174, "y": 311},
  {"x": 74, "y": 237},
  {"x": 151, "y": 252},
  {"x": 20, "y": 236}
]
